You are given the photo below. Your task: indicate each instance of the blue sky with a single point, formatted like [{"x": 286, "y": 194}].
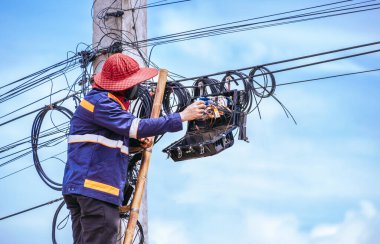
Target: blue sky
[{"x": 315, "y": 182}]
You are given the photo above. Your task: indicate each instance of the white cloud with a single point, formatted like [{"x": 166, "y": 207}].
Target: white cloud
[
  {"x": 167, "y": 232},
  {"x": 358, "y": 227},
  {"x": 300, "y": 168},
  {"x": 262, "y": 45}
]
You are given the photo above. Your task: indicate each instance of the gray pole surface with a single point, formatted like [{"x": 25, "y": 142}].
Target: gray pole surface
[{"x": 131, "y": 26}]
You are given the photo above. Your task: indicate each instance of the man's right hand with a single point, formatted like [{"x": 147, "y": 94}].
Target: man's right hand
[{"x": 193, "y": 111}]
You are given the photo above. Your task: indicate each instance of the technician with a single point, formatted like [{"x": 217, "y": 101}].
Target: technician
[{"x": 98, "y": 142}]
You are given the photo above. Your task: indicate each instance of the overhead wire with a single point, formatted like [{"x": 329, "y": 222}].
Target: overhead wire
[
  {"x": 36, "y": 79},
  {"x": 211, "y": 30},
  {"x": 327, "y": 77},
  {"x": 32, "y": 208},
  {"x": 289, "y": 60},
  {"x": 31, "y": 165}
]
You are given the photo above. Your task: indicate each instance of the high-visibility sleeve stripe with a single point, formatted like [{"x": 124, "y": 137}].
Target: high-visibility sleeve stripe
[
  {"x": 87, "y": 105},
  {"x": 110, "y": 95},
  {"x": 98, "y": 139},
  {"x": 134, "y": 128},
  {"x": 124, "y": 150},
  {"x": 101, "y": 187}
]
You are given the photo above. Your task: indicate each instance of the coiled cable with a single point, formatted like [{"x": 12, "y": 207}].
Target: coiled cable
[
  {"x": 262, "y": 90},
  {"x": 176, "y": 98},
  {"x": 35, "y": 134}
]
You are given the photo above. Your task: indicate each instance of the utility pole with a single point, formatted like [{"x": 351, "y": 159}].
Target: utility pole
[{"x": 128, "y": 25}]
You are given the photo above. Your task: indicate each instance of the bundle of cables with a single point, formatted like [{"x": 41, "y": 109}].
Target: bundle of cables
[
  {"x": 262, "y": 90},
  {"x": 35, "y": 135},
  {"x": 142, "y": 106},
  {"x": 176, "y": 98},
  {"x": 206, "y": 86},
  {"x": 236, "y": 77}
]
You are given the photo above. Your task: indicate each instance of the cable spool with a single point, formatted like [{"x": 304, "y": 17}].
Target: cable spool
[
  {"x": 36, "y": 128},
  {"x": 261, "y": 90},
  {"x": 181, "y": 98}
]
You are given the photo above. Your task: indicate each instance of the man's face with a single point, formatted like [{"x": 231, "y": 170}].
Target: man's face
[{"x": 129, "y": 94}]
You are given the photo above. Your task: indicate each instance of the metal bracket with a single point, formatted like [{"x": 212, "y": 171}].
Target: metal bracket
[
  {"x": 118, "y": 13},
  {"x": 169, "y": 154},
  {"x": 224, "y": 140},
  {"x": 202, "y": 149},
  {"x": 190, "y": 150},
  {"x": 135, "y": 210},
  {"x": 179, "y": 152}
]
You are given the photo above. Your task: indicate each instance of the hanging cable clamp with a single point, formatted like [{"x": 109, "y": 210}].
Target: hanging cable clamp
[
  {"x": 50, "y": 106},
  {"x": 86, "y": 58},
  {"x": 118, "y": 13},
  {"x": 116, "y": 47},
  {"x": 179, "y": 152},
  {"x": 202, "y": 148},
  {"x": 169, "y": 154},
  {"x": 224, "y": 140}
]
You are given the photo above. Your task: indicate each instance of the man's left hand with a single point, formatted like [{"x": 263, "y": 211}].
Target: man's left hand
[{"x": 146, "y": 142}]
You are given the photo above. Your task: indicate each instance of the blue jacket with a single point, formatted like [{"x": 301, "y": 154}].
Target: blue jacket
[{"x": 98, "y": 145}]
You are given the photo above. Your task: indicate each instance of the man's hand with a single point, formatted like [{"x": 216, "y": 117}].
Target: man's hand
[
  {"x": 146, "y": 142},
  {"x": 193, "y": 111}
]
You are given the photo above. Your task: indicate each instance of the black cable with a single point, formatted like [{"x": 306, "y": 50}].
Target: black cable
[
  {"x": 176, "y": 98},
  {"x": 327, "y": 77},
  {"x": 150, "y": 5},
  {"x": 45, "y": 133},
  {"x": 29, "y": 104},
  {"x": 206, "y": 31},
  {"x": 321, "y": 62},
  {"x": 35, "y": 81},
  {"x": 239, "y": 21},
  {"x": 142, "y": 106},
  {"x": 34, "y": 140},
  {"x": 36, "y": 110},
  {"x": 286, "y": 60},
  {"x": 54, "y": 224},
  {"x": 250, "y": 27},
  {"x": 259, "y": 91},
  {"x": 29, "y": 166},
  {"x": 32, "y": 208},
  {"x": 48, "y": 143}
]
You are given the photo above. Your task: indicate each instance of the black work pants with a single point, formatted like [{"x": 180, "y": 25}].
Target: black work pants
[{"x": 93, "y": 221}]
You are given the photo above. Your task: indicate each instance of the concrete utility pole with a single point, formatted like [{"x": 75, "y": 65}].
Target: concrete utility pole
[{"x": 129, "y": 27}]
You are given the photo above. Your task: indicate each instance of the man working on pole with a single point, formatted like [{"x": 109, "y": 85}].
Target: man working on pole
[{"x": 98, "y": 141}]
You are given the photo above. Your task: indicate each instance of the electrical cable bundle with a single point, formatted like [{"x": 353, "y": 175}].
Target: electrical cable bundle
[
  {"x": 304, "y": 14},
  {"x": 176, "y": 98},
  {"x": 35, "y": 143},
  {"x": 142, "y": 106},
  {"x": 235, "y": 76},
  {"x": 41, "y": 77},
  {"x": 261, "y": 90},
  {"x": 207, "y": 86},
  {"x": 252, "y": 86}
]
